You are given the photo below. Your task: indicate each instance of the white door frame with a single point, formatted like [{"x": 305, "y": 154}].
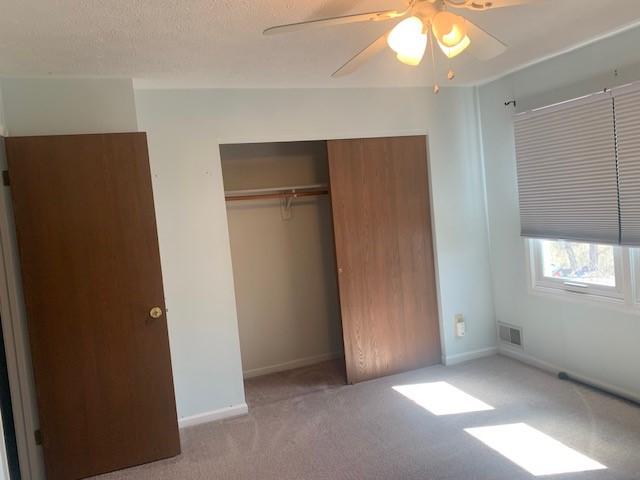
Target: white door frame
[{"x": 14, "y": 329}]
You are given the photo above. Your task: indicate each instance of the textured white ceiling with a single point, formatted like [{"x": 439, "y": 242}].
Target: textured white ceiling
[{"x": 219, "y": 43}]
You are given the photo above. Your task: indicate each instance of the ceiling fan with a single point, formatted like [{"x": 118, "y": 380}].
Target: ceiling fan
[{"x": 425, "y": 19}]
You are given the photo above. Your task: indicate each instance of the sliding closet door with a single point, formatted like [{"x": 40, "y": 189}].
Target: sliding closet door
[
  {"x": 384, "y": 252},
  {"x": 93, "y": 291}
]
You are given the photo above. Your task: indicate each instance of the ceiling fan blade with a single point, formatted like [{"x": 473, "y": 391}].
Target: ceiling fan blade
[
  {"x": 363, "y": 56},
  {"x": 484, "y": 46},
  {"x": 360, "y": 17},
  {"x": 510, "y": 3},
  {"x": 486, "y": 4}
]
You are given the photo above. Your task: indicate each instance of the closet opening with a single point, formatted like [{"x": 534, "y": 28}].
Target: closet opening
[{"x": 283, "y": 254}]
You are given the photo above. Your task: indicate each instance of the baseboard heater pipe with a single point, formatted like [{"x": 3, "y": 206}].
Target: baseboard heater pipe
[{"x": 569, "y": 378}]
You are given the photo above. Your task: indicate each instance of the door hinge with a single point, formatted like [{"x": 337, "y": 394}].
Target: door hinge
[
  {"x": 38, "y": 436},
  {"x": 5, "y": 178}
]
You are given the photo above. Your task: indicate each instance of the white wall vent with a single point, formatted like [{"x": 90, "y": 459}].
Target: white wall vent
[{"x": 510, "y": 334}]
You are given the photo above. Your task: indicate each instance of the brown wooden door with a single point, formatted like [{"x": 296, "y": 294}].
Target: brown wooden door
[
  {"x": 91, "y": 273},
  {"x": 384, "y": 252}
]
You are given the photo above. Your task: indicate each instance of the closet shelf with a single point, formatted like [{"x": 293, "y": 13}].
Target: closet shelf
[{"x": 278, "y": 192}]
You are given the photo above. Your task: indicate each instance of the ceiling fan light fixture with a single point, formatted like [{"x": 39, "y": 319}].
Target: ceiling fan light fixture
[
  {"x": 413, "y": 59},
  {"x": 408, "y": 40},
  {"x": 449, "y": 29},
  {"x": 455, "y": 50}
]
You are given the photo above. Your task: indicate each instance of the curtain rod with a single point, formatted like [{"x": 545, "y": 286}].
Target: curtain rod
[{"x": 611, "y": 90}]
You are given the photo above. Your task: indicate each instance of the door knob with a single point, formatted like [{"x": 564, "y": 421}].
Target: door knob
[{"x": 155, "y": 312}]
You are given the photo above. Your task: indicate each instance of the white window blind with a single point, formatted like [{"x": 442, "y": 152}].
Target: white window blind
[
  {"x": 627, "y": 115},
  {"x": 567, "y": 172}
]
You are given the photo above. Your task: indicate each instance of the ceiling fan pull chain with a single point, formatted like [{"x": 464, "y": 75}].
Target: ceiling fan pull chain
[{"x": 436, "y": 87}]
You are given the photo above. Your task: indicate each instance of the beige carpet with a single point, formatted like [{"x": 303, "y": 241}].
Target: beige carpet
[{"x": 320, "y": 429}]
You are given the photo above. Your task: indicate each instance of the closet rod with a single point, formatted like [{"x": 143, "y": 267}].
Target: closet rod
[
  {"x": 287, "y": 192},
  {"x": 275, "y": 195}
]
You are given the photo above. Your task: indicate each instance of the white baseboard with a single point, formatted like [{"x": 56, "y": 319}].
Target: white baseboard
[
  {"x": 227, "y": 412},
  {"x": 523, "y": 357},
  {"x": 528, "y": 359},
  {"x": 467, "y": 356},
  {"x": 281, "y": 367}
]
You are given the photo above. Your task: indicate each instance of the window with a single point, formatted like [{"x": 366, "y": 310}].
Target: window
[
  {"x": 579, "y": 181},
  {"x": 584, "y": 268}
]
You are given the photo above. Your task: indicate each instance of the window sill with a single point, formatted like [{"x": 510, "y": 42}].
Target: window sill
[{"x": 610, "y": 303}]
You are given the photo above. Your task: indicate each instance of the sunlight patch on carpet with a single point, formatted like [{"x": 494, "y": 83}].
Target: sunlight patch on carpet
[
  {"x": 536, "y": 452},
  {"x": 442, "y": 398}
]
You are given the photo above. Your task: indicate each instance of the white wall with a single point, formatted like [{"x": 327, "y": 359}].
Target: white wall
[
  {"x": 590, "y": 340},
  {"x": 3, "y": 128},
  {"x": 48, "y": 106},
  {"x": 185, "y": 128},
  {"x": 285, "y": 284},
  {"x": 284, "y": 269},
  {"x": 276, "y": 164}
]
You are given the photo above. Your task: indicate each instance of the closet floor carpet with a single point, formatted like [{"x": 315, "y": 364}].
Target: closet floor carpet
[
  {"x": 321, "y": 377},
  {"x": 373, "y": 431}
]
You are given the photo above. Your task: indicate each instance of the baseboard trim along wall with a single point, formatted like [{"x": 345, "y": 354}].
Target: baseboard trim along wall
[
  {"x": 281, "y": 367},
  {"x": 554, "y": 369},
  {"x": 212, "y": 416},
  {"x": 450, "y": 360}
]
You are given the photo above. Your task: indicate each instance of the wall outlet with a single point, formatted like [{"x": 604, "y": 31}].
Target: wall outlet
[{"x": 460, "y": 325}]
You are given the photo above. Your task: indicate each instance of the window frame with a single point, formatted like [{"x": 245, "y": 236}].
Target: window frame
[
  {"x": 633, "y": 276},
  {"x": 621, "y": 293}
]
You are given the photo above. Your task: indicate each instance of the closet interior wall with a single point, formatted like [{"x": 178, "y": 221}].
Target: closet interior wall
[{"x": 283, "y": 260}]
